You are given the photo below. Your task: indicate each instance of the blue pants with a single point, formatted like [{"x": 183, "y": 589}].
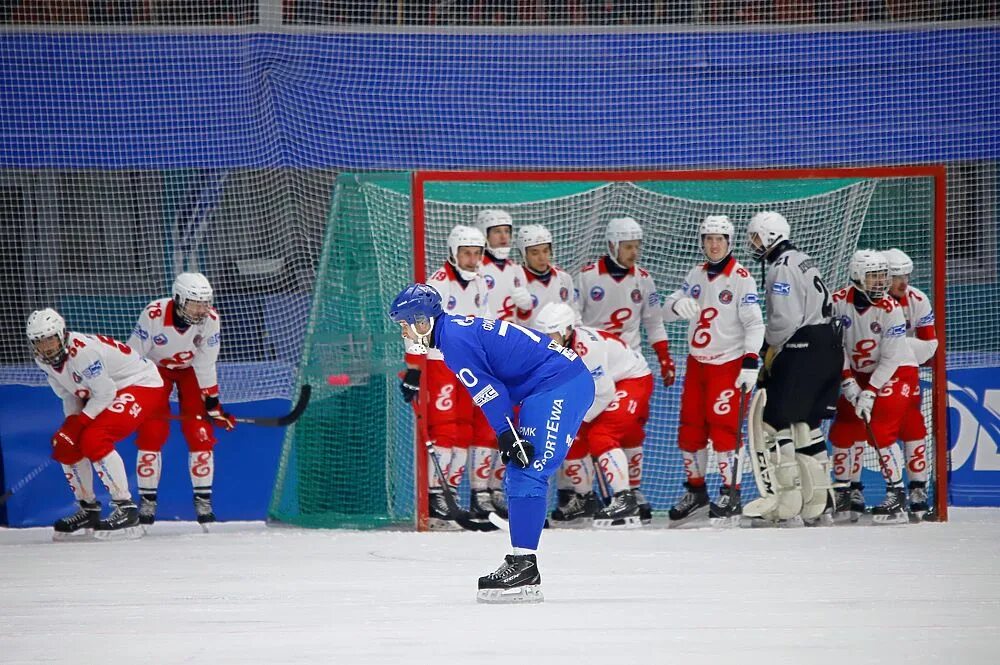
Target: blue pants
[{"x": 549, "y": 420}]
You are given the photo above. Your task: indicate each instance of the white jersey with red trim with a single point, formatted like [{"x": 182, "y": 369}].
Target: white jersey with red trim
[
  {"x": 96, "y": 368},
  {"x": 874, "y": 339},
  {"x": 558, "y": 288},
  {"x": 458, "y": 297},
  {"x": 158, "y": 337},
  {"x": 609, "y": 360},
  {"x": 920, "y": 332},
  {"x": 730, "y": 324},
  {"x": 501, "y": 278},
  {"x": 620, "y": 305}
]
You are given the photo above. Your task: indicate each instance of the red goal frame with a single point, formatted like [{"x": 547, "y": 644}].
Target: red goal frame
[{"x": 939, "y": 400}]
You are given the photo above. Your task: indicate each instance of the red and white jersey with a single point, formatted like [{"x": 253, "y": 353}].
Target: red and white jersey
[
  {"x": 920, "y": 332},
  {"x": 730, "y": 324},
  {"x": 557, "y": 288},
  {"x": 501, "y": 278},
  {"x": 157, "y": 337},
  {"x": 609, "y": 360},
  {"x": 96, "y": 368},
  {"x": 458, "y": 297},
  {"x": 618, "y": 305},
  {"x": 875, "y": 339}
]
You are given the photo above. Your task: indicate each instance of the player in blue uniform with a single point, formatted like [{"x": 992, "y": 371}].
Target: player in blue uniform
[{"x": 502, "y": 365}]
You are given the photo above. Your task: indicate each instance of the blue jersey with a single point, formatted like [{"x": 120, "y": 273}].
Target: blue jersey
[{"x": 502, "y": 363}]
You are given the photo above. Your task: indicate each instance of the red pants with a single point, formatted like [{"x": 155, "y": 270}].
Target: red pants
[
  {"x": 198, "y": 433},
  {"x": 709, "y": 406},
  {"x": 132, "y": 407},
  {"x": 914, "y": 427},
  {"x": 453, "y": 419},
  {"x": 895, "y": 400},
  {"x": 621, "y": 425}
]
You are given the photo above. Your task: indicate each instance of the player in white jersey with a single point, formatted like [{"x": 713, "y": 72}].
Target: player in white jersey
[
  {"x": 801, "y": 372},
  {"x": 619, "y": 296},
  {"x": 545, "y": 282},
  {"x": 879, "y": 386},
  {"x": 181, "y": 335},
  {"x": 107, "y": 392},
  {"x": 616, "y": 420},
  {"x": 922, "y": 338},
  {"x": 455, "y": 424},
  {"x": 505, "y": 282},
  {"x": 725, "y": 334}
]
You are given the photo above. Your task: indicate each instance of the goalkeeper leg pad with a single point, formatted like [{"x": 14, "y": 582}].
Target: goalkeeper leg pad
[{"x": 775, "y": 470}]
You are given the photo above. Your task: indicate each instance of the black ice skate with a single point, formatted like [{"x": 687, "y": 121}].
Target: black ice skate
[
  {"x": 480, "y": 506},
  {"x": 203, "y": 509},
  {"x": 918, "y": 501},
  {"x": 517, "y": 580},
  {"x": 645, "y": 510},
  {"x": 842, "y": 511},
  {"x": 439, "y": 517},
  {"x": 574, "y": 509},
  {"x": 726, "y": 511},
  {"x": 858, "y": 500},
  {"x": 147, "y": 509},
  {"x": 81, "y": 524},
  {"x": 121, "y": 524},
  {"x": 693, "y": 504},
  {"x": 499, "y": 500},
  {"x": 892, "y": 508},
  {"x": 621, "y": 513}
]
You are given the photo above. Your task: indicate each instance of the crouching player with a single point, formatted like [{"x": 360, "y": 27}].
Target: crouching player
[
  {"x": 503, "y": 365},
  {"x": 623, "y": 384},
  {"x": 107, "y": 391}
]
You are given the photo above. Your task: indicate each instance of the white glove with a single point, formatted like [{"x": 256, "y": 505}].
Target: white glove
[
  {"x": 863, "y": 407},
  {"x": 850, "y": 389},
  {"x": 521, "y": 298},
  {"x": 747, "y": 379},
  {"x": 687, "y": 308}
]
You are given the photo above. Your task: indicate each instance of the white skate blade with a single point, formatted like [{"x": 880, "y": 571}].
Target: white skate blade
[
  {"x": 531, "y": 593},
  {"x": 730, "y": 522},
  {"x": 888, "y": 520},
  {"x": 691, "y": 520},
  {"x": 499, "y": 522},
  {"x": 128, "y": 533},
  {"x": 632, "y": 522},
  {"x": 80, "y": 536},
  {"x": 578, "y": 523}
]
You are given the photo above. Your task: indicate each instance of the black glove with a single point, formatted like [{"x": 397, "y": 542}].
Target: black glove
[
  {"x": 513, "y": 447},
  {"x": 219, "y": 417},
  {"x": 410, "y": 386}
]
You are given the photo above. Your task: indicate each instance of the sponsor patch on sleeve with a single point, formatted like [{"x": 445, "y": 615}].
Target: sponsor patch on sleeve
[
  {"x": 750, "y": 299},
  {"x": 896, "y": 331},
  {"x": 485, "y": 395},
  {"x": 93, "y": 370},
  {"x": 140, "y": 333},
  {"x": 597, "y": 372},
  {"x": 925, "y": 320},
  {"x": 781, "y": 289},
  {"x": 685, "y": 287},
  {"x": 213, "y": 340}
]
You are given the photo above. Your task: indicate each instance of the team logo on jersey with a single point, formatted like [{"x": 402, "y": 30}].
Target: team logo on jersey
[
  {"x": 781, "y": 289},
  {"x": 726, "y": 297},
  {"x": 695, "y": 291},
  {"x": 846, "y": 321},
  {"x": 140, "y": 333},
  {"x": 490, "y": 282},
  {"x": 636, "y": 296},
  {"x": 77, "y": 378},
  {"x": 95, "y": 369},
  {"x": 597, "y": 294},
  {"x": 564, "y": 294},
  {"x": 198, "y": 339},
  {"x": 160, "y": 339},
  {"x": 876, "y": 328},
  {"x": 451, "y": 302}
]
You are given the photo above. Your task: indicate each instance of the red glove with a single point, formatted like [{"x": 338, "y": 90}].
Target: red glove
[
  {"x": 667, "y": 370},
  {"x": 219, "y": 417},
  {"x": 65, "y": 440}
]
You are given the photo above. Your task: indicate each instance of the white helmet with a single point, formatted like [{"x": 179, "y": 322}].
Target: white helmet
[
  {"x": 621, "y": 229},
  {"x": 771, "y": 227},
  {"x": 899, "y": 263},
  {"x": 556, "y": 317},
  {"x": 45, "y": 323},
  {"x": 716, "y": 225},
  {"x": 865, "y": 262},
  {"x": 464, "y": 236},
  {"x": 191, "y": 287},
  {"x": 531, "y": 235},
  {"x": 486, "y": 220}
]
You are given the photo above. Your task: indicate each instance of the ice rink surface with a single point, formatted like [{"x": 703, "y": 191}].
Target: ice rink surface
[{"x": 247, "y": 593}]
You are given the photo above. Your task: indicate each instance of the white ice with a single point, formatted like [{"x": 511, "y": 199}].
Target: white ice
[{"x": 247, "y": 593}]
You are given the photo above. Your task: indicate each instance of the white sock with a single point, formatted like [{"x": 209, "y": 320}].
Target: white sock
[
  {"x": 727, "y": 461},
  {"x": 521, "y": 551},
  {"x": 892, "y": 458},
  {"x": 916, "y": 460},
  {"x": 482, "y": 465},
  {"x": 499, "y": 471},
  {"x": 858, "y": 460},
  {"x": 842, "y": 465},
  {"x": 614, "y": 466},
  {"x": 695, "y": 464},
  {"x": 634, "y": 457},
  {"x": 456, "y": 470},
  {"x": 576, "y": 475},
  {"x": 80, "y": 477},
  {"x": 111, "y": 471},
  {"x": 148, "y": 466},
  {"x": 443, "y": 456},
  {"x": 201, "y": 465}
]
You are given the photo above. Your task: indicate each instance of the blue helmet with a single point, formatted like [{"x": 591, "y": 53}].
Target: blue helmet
[{"x": 417, "y": 302}]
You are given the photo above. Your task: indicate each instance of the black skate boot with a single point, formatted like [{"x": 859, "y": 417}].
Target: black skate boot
[
  {"x": 499, "y": 500},
  {"x": 438, "y": 513},
  {"x": 517, "y": 580},
  {"x": 692, "y": 505},
  {"x": 858, "y": 501},
  {"x": 147, "y": 509},
  {"x": 918, "y": 500},
  {"x": 892, "y": 508},
  {"x": 621, "y": 513},
  {"x": 203, "y": 509},
  {"x": 121, "y": 524},
  {"x": 574, "y": 511},
  {"x": 80, "y": 524},
  {"x": 645, "y": 510},
  {"x": 480, "y": 506},
  {"x": 842, "y": 512},
  {"x": 727, "y": 510}
]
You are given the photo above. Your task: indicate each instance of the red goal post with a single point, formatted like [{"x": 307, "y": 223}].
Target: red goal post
[{"x": 905, "y": 207}]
